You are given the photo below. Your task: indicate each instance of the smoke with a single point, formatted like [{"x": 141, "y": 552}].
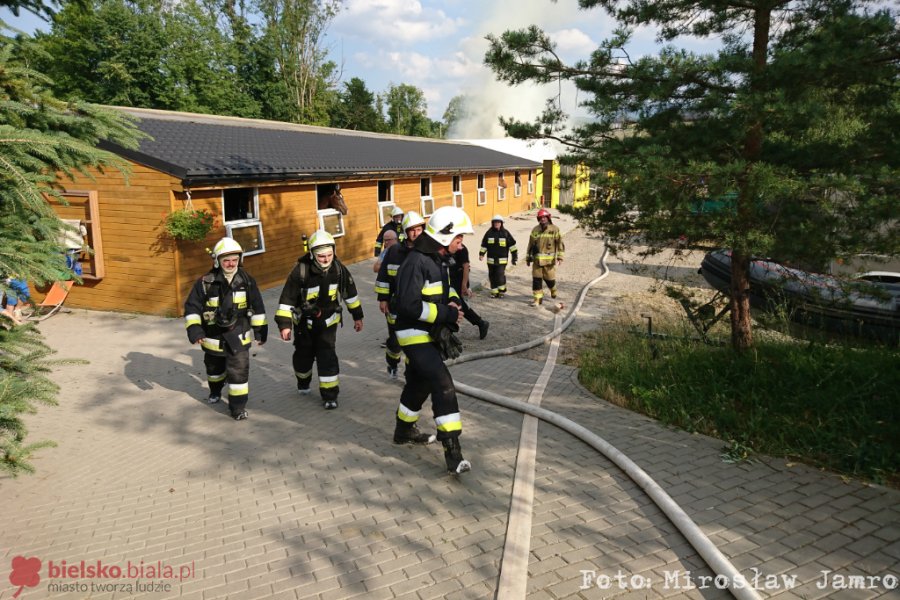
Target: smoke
[{"x": 486, "y": 98}]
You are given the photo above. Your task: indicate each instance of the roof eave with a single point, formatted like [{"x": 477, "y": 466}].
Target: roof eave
[
  {"x": 144, "y": 159},
  {"x": 207, "y": 180}
]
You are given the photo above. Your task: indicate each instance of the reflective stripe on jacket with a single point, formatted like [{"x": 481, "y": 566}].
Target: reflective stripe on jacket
[
  {"x": 318, "y": 297},
  {"x": 385, "y": 281},
  {"x": 545, "y": 246},
  {"x": 213, "y": 301},
  {"x": 421, "y": 297},
  {"x": 498, "y": 245}
]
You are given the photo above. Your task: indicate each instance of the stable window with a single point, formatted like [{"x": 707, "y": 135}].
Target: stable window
[
  {"x": 427, "y": 199},
  {"x": 241, "y": 209},
  {"x": 81, "y": 239},
  {"x": 457, "y": 192},
  {"x": 530, "y": 182},
  {"x": 385, "y": 201},
  {"x": 517, "y": 184},
  {"x": 384, "y": 212},
  {"x": 501, "y": 187},
  {"x": 330, "y": 219},
  {"x": 241, "y": 204},
  {"x": 482, "y": 193}
]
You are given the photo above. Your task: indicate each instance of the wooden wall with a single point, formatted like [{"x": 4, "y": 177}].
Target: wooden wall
[
  {"x": 148, "y": 273},
  {"x": 139, "y": 267}
]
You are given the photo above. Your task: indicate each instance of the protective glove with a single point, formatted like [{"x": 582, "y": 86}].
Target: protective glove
[
  {"x": 527, "y": 262},
  {"x": 448, "y": 343}
]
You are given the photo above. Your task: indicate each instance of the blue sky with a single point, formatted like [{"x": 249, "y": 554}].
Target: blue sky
[{"x": 439, "y": 46}]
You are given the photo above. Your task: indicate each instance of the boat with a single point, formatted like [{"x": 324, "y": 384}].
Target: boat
[{"x": 866, "y": 309}]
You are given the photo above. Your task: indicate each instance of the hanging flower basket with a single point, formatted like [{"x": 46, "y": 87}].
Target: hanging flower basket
[{"x": 189, "y": 224}]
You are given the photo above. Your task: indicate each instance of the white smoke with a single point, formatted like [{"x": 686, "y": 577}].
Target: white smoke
[{"x": 487, "y": 99}]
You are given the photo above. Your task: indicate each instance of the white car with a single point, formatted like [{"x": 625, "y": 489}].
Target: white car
[{"x": 880, "y": 276}]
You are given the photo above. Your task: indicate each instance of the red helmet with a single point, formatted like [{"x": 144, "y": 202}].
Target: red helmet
[{"x": 544, "y": 213}]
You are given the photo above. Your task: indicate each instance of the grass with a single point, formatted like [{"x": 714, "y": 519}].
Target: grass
[{"x": 831, "y": 406}]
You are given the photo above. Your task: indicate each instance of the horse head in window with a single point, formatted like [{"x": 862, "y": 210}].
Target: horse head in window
[{"x": 330, "y": 197}]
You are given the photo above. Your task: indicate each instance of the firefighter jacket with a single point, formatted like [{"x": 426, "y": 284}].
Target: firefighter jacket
[
  {"x": 498, "y": 244},
  {"x": 545, "y": 246},
  {"x": 226, "y": 316},
  {"x": 387, "y": 275},
  {"x": 379, "y": 241},
  {"x": 422, "y": 295},
  {"x": 309, "y": 294}
]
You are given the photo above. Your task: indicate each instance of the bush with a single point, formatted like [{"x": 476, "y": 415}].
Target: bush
[{"x": 832, "y": 406}]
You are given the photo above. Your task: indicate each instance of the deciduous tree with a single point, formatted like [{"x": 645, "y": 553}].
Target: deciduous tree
[
  {"x": 356, "y": 108},
  {"x": 457, "y": 111},
  {"x": 297, "y": 30},
  {"x": 407, "y": 111}
]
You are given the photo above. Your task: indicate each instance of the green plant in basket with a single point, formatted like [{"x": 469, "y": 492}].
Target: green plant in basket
[{"x": 189, "y": 224}]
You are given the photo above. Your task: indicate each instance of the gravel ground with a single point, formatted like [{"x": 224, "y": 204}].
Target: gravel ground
[{"x": 632, "y": 288}]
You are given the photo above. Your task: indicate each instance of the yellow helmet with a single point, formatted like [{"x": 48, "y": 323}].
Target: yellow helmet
[
  {"x": 224, "y": 247},
  {"x": 319, "y": 241},
  {"x": 320, "y": 238}
]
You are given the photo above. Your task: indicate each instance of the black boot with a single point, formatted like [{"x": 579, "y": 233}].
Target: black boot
[
  {"x": 482, "y": 329},
  {"x": 453, "y": 455},
  {"x": 408, "y": 433}
]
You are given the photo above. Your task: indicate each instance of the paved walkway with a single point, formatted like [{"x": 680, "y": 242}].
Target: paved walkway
[{"x": 298, "y": 502}]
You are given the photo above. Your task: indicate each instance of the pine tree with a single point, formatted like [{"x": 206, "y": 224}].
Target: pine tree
[
  {"x": 790, "y": 127},
  {"x": 23, "y": 385},
  {"x": 41, "y": 139}
]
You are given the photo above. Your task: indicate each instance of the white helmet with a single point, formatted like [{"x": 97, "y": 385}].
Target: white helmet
[
  {"x": 412, "y": 219},
  {"x": 497, "y": 218},
  {"x": 446, "y": 223},
  {"x": 396, "y": 211},
  {"x": 224, "y": 247},
  {"x": 321, "y": 240}
]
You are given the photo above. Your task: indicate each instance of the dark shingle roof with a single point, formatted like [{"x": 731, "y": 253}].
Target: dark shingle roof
[{"x": 204, "y": 149}]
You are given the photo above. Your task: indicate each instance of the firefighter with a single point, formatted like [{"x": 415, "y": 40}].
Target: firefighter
[
  {"x": 224, "y": 313},
  {"x": 395, "y": 224},
  {"x": 459, "y": 279},
  {"x": 427, "y": 314},
  {"x": 413, "y": 225},
  {"x": 498, "y": 243},
  {"x": 388, "y": 240},
  {"x": 545, "y": 251},
  {"x": 310, "y": 307}
]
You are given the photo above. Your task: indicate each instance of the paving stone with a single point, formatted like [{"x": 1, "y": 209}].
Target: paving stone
[{"x": 298, "y": 502}]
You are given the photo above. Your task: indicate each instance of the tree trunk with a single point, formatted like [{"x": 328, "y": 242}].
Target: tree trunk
[{"x": 741, "y": 332}]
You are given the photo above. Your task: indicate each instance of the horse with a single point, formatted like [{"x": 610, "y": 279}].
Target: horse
[{"x": 330, "y": 197}]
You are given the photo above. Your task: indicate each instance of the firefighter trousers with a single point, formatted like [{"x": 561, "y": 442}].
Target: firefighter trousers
[
  {"x": 426, "y": 374},
  {"x": 317, "y": 345},
  {"x": 392, "y": 350},
  {"x": 233, "y": 369},
  {"x": 497, "y": 277},
  {"x": 539, "y": 276}
]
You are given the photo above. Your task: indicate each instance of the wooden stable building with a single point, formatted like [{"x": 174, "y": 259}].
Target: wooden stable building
[{"x": 263, "y": 180}]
